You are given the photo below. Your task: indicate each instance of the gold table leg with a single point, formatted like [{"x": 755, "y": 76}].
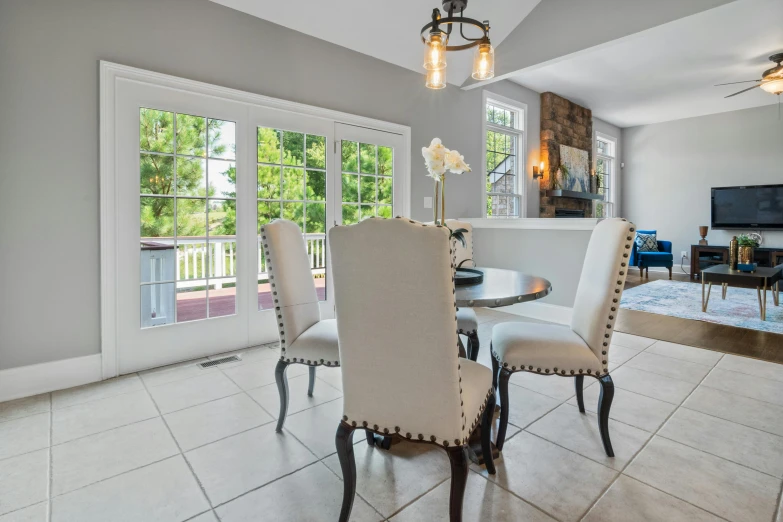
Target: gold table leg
[
  {"x": 725, "y": 288},
  {"x": 705, "y": 299},
  {"x": 776, "y": 294},
  {"x": 764, "y": 303}
]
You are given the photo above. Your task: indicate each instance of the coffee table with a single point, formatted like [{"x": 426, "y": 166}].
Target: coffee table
[{"x": 762, "y": 279}]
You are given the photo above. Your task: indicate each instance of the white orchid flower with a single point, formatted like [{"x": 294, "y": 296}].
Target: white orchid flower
[{"x": 455, "y": 162}]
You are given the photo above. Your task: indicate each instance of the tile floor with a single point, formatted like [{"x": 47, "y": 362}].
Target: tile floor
[{"x": 698, "y": 436}]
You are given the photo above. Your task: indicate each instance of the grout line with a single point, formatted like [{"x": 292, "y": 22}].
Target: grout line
[
  {"x": 644, "y": 446},
  {"x": 528, "y": 502},
  {"x": 176, "y": 442}
]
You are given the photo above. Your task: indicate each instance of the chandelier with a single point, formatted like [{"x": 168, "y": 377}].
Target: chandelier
[{"x": 436, "y": 44}]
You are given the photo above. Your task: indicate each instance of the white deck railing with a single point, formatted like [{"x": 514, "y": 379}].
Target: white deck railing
[{"x": 197, "y": 259}]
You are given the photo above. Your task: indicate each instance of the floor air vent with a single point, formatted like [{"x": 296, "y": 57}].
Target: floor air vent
[{"x": 215, "y": 362}]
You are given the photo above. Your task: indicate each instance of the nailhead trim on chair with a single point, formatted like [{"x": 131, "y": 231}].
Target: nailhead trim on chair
[
  {"x": 278, "y": 311},
  {"x": 607, "y": 334}
]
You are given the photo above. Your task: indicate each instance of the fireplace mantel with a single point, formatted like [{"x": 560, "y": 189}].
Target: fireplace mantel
[{"x": 572, "y": 194}]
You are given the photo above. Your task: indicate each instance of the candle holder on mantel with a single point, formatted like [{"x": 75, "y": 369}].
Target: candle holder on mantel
[{"x": 703, "y": 233}]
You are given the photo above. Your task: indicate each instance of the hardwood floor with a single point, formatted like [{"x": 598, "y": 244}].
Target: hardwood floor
[{"x": 717, "y": 337}]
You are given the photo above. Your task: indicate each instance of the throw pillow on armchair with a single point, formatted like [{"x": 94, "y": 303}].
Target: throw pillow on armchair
[{"x": 646, "y": 242}]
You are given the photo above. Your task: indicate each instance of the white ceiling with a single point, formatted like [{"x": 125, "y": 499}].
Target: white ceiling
[
  {"x": 385, "y": 30},
  {"x": 669, "y": 72}
]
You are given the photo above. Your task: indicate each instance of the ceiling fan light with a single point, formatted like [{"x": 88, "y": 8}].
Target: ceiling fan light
[
  {"x": 484, "y": 62},
  {"x": 436, "y": 79},
  {"x": 773, "y": 86},
  {"x": 435, "y": 51}
]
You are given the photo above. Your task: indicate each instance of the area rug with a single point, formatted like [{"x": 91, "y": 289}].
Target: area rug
[{"x": 680, "y": 299}]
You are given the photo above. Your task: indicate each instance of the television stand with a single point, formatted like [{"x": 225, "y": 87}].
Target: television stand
[{"x": 706, "y": 256}]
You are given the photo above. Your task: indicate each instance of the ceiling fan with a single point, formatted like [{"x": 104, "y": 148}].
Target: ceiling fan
[{"x": 771, "y": 81}]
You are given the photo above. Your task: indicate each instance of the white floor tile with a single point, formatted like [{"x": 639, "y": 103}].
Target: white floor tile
[
  {"x": 23, "y": 407},
  {"x": 711, "y": 483},
  {"x": 764, "y": 369},
  {"x": 101, "y": 415},
  {"x": 631, "y": 341},
  {"x": 331, "y": 376},
  {"x": 162, "y": 492},
  {"x": 312, "y": 493},
  {"x": 686, "y": 353},
  {"x": 252, "y": 375},
  {"x": 205, "y": 423},
  {"x": 652, "y": 385},
  {"x": 36, "y": 513},
  {"x": 560, "y": 388},
  {"x": 578, "y": 432},
  {"x": 268, "y": 396},
  {"x": 209, "y": 516},
  {"x": 631, "y": 501},
  {"x": 674, "y": 368},
  {"x": 484, "y": 501},
  {"x": 746, "y": 385},
  {"x": 527, "y": 406},
  {"x": 621, "y": 354},
  {"x": 736, "y": 408},
  {"x": 747, "y": 446},
  {"x": 629, "y": 408},
  {"x": 24, "y": 435},
  {"x": 389, "y": 480},
  {"x": 233, "y": 466},
  {"x": 81, "y": 462},
  {"x": 183, "y": 394},
  {"x": 175, "y": 372},
  {"x": 544, "y": 475},
  {"x": 316, "y": 427},
  {"x": 95, "y": 391},
  {"x": 24, "y": 480}
]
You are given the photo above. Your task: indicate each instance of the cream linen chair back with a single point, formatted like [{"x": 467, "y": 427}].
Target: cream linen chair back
[
  {"x": 296, "y": 302},
  {"x": 462, "y": 253},
  {"x": 397, "y": 329},
  {"x": 601, "y": 284}
]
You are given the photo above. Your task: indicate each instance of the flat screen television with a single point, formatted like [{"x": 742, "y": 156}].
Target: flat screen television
[{"x": 759, "y": 206}]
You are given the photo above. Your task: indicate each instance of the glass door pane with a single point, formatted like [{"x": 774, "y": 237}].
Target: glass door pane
[{"x": 292, "y": 178}]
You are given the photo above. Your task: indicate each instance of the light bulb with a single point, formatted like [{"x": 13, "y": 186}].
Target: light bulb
[
  {"x": 773, "y": 86},
  {"x": 436, "y": 79},
  {"x": 484, "y": 62},
  {"x": 435, "y": 52},
  {"x": 542, "y": 167}
]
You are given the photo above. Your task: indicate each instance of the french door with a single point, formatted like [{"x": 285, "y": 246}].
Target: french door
[{"x": 197, "y": 176}]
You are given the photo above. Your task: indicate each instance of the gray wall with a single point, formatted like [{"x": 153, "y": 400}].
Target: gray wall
[
  {"x": 556, "y": 255},
  {"x": 49, "y": 52},
  {"x": 670, "y": 168}
]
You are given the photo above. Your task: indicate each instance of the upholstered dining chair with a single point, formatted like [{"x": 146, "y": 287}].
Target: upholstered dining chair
[
  {"x": 412, "y": 383},
  {"x": 583, "y": 348},
  {"x": 304, "y": 337},
  {"x": 467, "y": 322}
]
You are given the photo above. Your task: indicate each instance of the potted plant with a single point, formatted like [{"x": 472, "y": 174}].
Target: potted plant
[
  {"x": 439, "y": 160},
  {"x": 746, "y": 244}
]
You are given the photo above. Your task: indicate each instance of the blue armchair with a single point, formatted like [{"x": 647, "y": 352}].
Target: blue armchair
[{"x": 644, "y": 260}]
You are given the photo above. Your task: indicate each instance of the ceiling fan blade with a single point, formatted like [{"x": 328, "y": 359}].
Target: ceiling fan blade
[
  {"x": 733, "y": 83},
  {"x": 744, "y": 90}
]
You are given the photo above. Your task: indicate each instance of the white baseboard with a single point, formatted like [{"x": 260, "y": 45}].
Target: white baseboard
[
  {"x": 542, "y": 311},
  {"x": 27, "y": 381}
]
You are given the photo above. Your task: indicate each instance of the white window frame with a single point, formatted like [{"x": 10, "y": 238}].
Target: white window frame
[
  {"x": 520, "y": 130},
  {"x": 610, "y": 205}
]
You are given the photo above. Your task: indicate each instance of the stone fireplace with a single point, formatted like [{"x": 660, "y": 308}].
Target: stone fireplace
[{"x": 563, "y": 123}]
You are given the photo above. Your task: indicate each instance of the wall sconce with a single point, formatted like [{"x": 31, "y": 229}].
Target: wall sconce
[{"x": 538, "y": 171}]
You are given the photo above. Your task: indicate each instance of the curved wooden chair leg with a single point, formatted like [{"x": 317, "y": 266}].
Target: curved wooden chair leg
[
  {"x": 344, "y": 443},
  {"x": 579, "y": 381},
  {"x": 458, "y": 457},
  {"x": 474, "y": 345},
  {"x": 495, "y": 369},
  {"x": 370, "y": 437},
  {"x": 311, "y": 386},
  {"x": 604, "y": 404},
  {"x": 505, "y": 375},
  {"x": 282, "y": 389},
  {"x": 486, "y": 434}
]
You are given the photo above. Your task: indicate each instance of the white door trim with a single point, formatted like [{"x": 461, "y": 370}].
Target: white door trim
[{"x": 110, "y": 73}]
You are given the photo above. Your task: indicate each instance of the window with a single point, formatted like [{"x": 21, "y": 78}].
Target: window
[
  {"x": 366, "y": 181},
  {"x": 503, "y": 133},
  {"x": 605, "y": 152},
  {"x": 187, "y": 187}
]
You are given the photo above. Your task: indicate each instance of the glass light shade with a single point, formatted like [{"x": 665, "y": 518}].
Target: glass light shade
[
  {"x": 435, "y": 52},
  {"x": 436, "y": 79},
  {"x": 774, "y": 86},
  {"x": 484, "y": 62}
]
